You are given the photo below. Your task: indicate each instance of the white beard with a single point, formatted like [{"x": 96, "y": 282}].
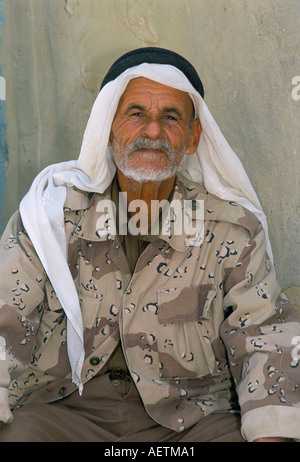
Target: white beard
[{"x": 146, "y": 173}]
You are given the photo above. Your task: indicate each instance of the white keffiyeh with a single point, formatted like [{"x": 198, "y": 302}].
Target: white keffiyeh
[{"x": 215, "y": 165}]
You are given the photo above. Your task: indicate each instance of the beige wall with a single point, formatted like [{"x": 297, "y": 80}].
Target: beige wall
[{"x": 56, "y": 52}]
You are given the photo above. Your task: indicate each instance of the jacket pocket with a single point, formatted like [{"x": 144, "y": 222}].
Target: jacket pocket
[
  {"x": 50, "y": 352},
  {"x": 186, "y": 332},
  {"x": 53, "y": 320},
  {"x": 54, "y": 314}
]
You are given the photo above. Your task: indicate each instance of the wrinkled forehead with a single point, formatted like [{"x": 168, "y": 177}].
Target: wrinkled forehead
[{"x": 141, "y": 89}]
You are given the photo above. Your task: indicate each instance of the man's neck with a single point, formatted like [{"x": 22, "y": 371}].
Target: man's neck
[{"x": 145, "y": 191}]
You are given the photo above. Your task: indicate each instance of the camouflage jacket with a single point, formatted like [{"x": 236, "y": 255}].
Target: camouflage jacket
[{"x": 197, "y": 324}]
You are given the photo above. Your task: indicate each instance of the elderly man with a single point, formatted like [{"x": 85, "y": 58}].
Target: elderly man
[{"x": 113, "y": 332}]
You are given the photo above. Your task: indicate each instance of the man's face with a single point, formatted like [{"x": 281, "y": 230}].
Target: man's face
[{"x": 152, "y": 130}]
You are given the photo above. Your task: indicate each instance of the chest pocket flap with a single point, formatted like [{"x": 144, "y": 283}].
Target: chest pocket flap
[{"x": 185, "y": 304}]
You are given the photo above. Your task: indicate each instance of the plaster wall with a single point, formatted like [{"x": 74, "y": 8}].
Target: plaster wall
[{"x": 55, "y": 53}]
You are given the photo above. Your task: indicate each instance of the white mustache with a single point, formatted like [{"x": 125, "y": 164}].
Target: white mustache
[{"x": 152, "y": 144}]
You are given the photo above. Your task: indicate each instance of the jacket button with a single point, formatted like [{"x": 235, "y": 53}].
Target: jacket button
[
  {"x": 62, "y": 392},
  {"x": 194, "y": 204},
  {"x": 94, "y": 361}
]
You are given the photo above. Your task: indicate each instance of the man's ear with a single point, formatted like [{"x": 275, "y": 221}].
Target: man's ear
[{"x": 193, "y": 142}]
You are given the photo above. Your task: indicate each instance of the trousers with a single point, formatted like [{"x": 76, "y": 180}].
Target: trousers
[{"x": 103, "y": 414}]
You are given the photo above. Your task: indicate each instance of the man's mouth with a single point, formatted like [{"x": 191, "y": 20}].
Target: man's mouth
[
  {"x": 150, "y": 151},
  {"x": 145, "y": 145},
  {"x": 147, "y": 148}
]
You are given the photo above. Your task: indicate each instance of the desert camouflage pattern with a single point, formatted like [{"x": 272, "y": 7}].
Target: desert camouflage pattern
[{"x": 203, "y": 328}]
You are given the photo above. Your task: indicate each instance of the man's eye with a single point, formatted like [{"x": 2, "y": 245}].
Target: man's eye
[
  {"x": 170, "y": 118},
  {"x": 137, "y": 114}
]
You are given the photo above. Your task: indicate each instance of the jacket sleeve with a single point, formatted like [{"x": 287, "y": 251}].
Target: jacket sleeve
[
  {"x": 22, "y": 280},
  {"x": 261, "y": 336}
]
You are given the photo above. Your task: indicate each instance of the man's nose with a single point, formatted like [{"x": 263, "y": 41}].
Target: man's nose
[{"x": 152, "y": 128}]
